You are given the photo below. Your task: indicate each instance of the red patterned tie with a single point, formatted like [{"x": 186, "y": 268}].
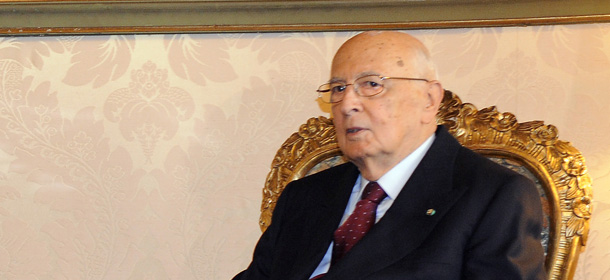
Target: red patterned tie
[{"x": 359, "y": 222}]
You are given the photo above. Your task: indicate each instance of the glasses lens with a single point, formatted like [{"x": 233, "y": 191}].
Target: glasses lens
[
  {"x": 337, "y": 91},
  {"x": 364, "y": 86},
  {"x": 331, "y": 92},
  {"x": 324, "y": 93},
  {"x": 369, "y": 85}
]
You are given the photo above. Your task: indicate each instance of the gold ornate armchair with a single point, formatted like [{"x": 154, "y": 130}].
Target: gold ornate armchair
[{"x": 531, "y": 148}]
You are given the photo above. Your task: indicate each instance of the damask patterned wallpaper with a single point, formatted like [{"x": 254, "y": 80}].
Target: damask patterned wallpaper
[{"x": 143, "y": 157}]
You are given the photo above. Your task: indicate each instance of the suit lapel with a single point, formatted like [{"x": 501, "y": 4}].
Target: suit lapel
[
  {"x": 325, "y": 217},
  {"x": 406, "y": 224}
]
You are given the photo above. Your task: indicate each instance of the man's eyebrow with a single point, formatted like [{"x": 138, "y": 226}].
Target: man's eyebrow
[
  {"x": 336, "y": 80},
  {"x": 360, "y": 75},
  {"x": 369, "y": 73}
]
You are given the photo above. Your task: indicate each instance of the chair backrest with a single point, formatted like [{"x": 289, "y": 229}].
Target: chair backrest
[{"x": 531, "y": 148}]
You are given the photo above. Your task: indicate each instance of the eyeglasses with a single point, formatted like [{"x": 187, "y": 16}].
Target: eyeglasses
[{"x": 367, "y": 86}]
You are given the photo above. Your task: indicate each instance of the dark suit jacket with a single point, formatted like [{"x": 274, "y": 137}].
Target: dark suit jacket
[{"x": 486, "y": 225}]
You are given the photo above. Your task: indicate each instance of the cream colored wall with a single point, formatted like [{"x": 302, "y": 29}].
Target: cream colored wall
[{"x": 143, "y": 157}]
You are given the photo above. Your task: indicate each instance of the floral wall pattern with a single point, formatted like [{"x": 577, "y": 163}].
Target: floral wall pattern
[{"x": 144, "y": 156}]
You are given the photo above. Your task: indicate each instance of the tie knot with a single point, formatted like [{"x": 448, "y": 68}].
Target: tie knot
[{"x": 373, "y": 192}]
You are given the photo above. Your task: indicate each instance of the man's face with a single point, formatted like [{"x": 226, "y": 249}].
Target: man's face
[{"x": 389, "y": 126}]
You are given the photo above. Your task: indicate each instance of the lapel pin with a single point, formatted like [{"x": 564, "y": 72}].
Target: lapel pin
[{"x": 430, "y": 212}]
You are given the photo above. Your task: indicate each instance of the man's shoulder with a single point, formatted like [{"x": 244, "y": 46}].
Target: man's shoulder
[
  {"x": 347, "y": 169},
  {"x": 468, "y": 159},
  {"x": 469, "y": 162},
  {"x": 475, "y": 169}
]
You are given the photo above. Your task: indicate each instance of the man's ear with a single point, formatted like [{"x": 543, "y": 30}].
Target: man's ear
[{"x": 435, "y": 96}]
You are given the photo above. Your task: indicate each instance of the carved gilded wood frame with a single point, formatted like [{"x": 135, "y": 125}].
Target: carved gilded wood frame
[
  {"x": 557, "y": 167},
  {"x": 54, "y": 17}
]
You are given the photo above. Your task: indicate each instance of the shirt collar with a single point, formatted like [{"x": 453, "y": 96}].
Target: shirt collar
[{"x": 394, "y": 180}]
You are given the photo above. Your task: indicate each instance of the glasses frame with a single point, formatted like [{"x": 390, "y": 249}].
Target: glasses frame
[{"x": 381, "y": 77}]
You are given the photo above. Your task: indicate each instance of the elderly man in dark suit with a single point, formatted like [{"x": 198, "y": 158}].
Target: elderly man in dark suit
[{"x": 412, "y": 203}]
